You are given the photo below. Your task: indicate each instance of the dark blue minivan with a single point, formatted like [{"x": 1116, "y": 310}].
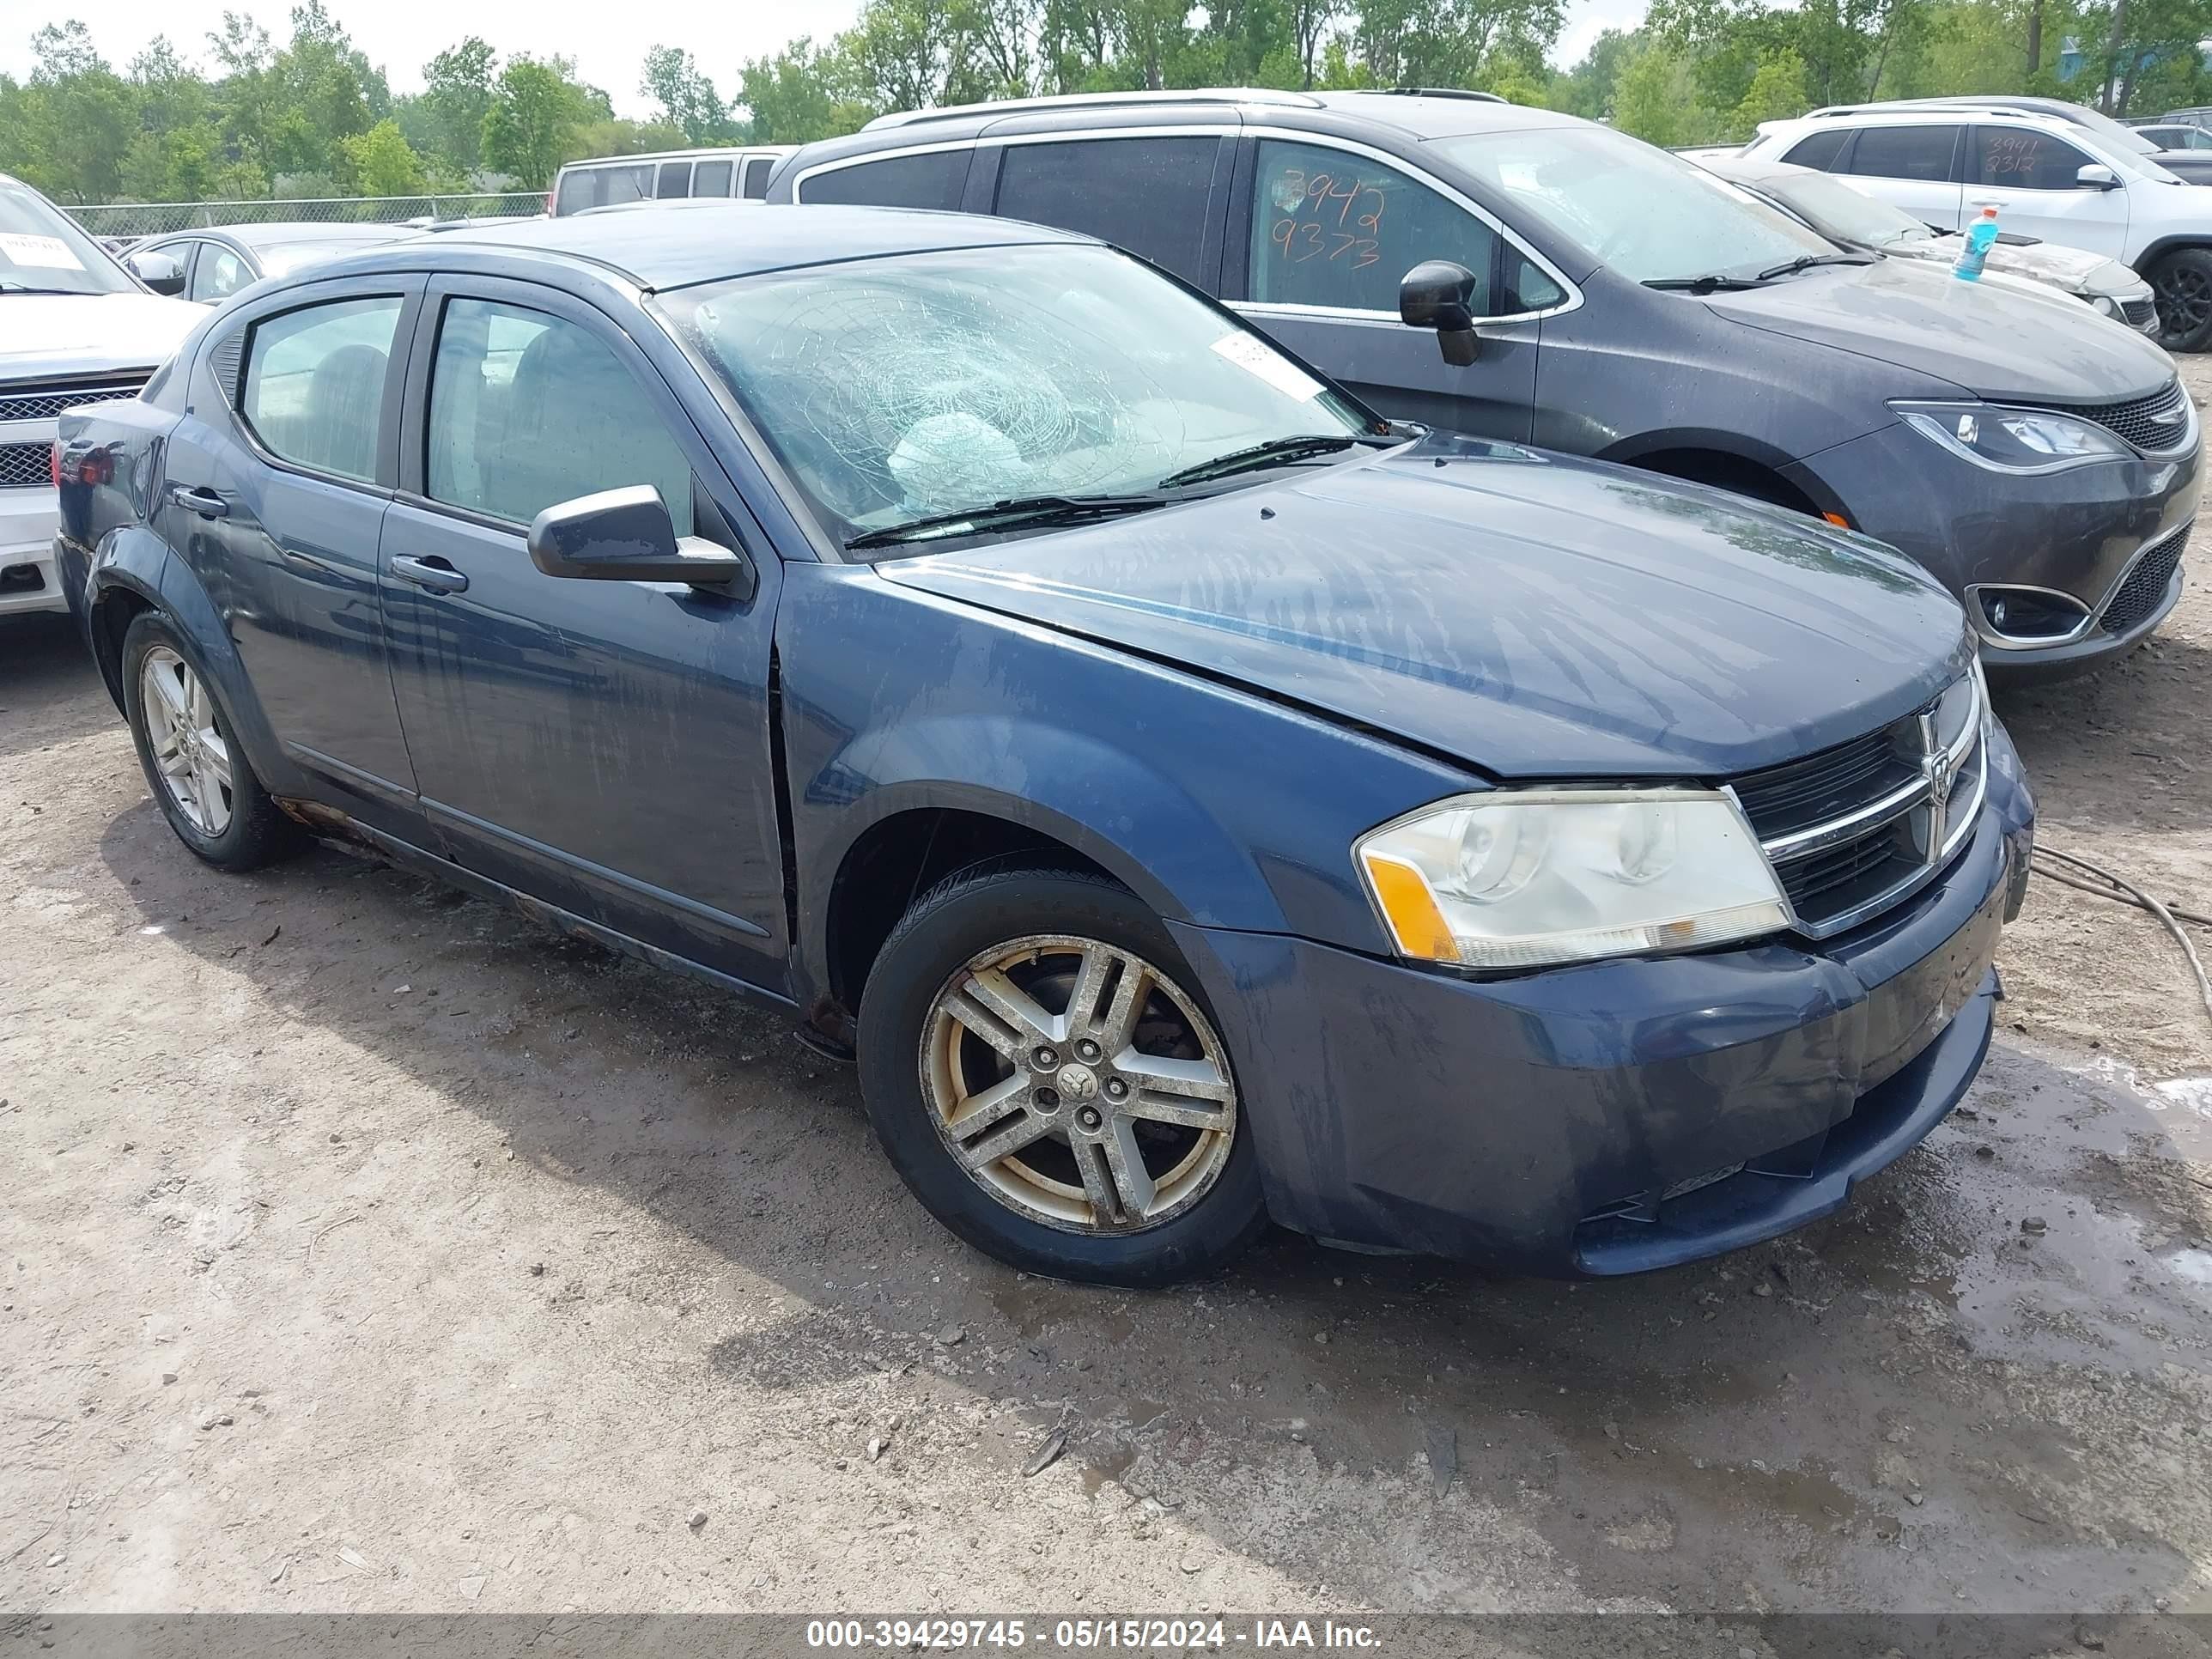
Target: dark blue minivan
[{"x": 1194, "y": 800}]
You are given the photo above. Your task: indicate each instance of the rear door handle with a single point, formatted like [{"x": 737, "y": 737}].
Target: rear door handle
[
  {"x": 432, "y": 574},
  {"x": 205, "y": 503}
]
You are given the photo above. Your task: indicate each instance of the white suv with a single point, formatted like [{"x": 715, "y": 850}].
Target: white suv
[
  {"x": 2056, "y": 179},
  {"x": 75, "y": 328}
]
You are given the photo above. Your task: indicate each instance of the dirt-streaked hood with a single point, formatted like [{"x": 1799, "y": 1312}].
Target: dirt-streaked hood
[{"x": 1533, "y": 616}]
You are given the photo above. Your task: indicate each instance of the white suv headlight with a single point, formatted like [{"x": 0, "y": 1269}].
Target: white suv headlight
[{"x": 1521, "y": 878}]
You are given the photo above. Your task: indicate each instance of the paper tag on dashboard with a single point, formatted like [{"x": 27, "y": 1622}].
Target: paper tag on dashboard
[
  {"x": 1256, "y": 356},
  {"x": 49, "y": 251}
]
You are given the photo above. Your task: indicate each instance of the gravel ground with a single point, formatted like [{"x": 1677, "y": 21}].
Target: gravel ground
[{"x": 367, "y": 1248}]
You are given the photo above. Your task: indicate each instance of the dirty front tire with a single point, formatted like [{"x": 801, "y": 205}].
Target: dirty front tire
[
  {"x": 198, "y": 773},
  {"x": 2183, "y": 283},
  {"x": 1048, "y": 1013}
]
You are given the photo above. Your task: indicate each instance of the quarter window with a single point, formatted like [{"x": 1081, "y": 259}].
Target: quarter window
[
  {"x": 1335, "y": 229},
  {"x": 528, "y": 409},
  {"x": 219, "y": 274},
  {"x": 1914, "y": 153},
  {"x": 711, "y": 179},
  {"x": 2014, "y": 158},
  {"x": 932, "y": 180},
  {"x": 1151, "y": 195},
  {"x": 756, "y": 173},
  {"x": 314, "y": 384}
]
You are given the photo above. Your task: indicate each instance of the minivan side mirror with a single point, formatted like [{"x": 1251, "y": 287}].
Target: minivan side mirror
[
  {"x": 1438, "y": 294},
  {"x": 159, "y": 272},
  {"x": 2097, "y": 176},
  {"x": 627, "y": 535}
]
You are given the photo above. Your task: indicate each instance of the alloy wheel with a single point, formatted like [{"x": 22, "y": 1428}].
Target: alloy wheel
[
  {"x": 1079, "y": 1084},
  {"x": 2185, "y": 300},
  {"x": 189, "y": 752}
]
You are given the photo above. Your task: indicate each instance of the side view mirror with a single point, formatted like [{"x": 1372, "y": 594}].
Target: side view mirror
[
  {"x": 627, "y": 535},
  {"x": 159, "y": 272},
  {"x": 1439, "y": 294},
  {"x": 2097, "y": 176}
]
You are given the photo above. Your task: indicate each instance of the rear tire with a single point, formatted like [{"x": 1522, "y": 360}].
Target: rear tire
[
  {"x": 2183, "y": 283},
  {"x": 193, "y": 759},
  {"x": 1046, "y": 1077}
]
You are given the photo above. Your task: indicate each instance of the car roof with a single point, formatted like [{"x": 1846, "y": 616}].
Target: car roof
[
  {"x": 1425, "y": 113},
  {"x": 713, "y": 239},
  {"x": 279, "y": 233}
]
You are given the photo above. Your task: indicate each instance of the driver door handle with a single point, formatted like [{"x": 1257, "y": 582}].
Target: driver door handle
[
  {"x": 433, "y": 575},
  {"x": 194, "y": 499}
]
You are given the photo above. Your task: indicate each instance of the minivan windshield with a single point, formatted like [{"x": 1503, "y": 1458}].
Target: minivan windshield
[
  {"x": 1648, "y": 216},
  {"x": 43, "y": 251},
  {"x": 904, "y": 392}
]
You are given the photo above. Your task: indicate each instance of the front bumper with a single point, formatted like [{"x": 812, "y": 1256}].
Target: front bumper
[
  {"x": 2076, "y": 533},
  {"x": 28, "y": 579},
  {"x": 1621, "y": 1115}
]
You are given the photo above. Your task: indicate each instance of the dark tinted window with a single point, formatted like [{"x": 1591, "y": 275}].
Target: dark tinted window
[
  {"x": 2017, "y": 160},
  {"x": 1923, "y": 152},
  {"x": 1147, "y": 195},
  {"x": 711, "y": 179},
  {"x": 588, "y": 187},
  {"x": 934, "y": 180},
  {"x": 528, "y": 409},
  {"x": 756, "y": 173},
  {"x": 314, "y": 384},
  {"x": 1821, "y": 150},
  {"x": 1332, "y": 228},
  {"x": 675, "y": 180}
]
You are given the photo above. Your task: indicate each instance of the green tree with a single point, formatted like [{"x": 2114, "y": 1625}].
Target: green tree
[
  {"x": 1777, "y": 92},
  {"x": 381, "y": 162},
  {"x": 456, "y": 96},
  {"x": 535, "y": 109},
  {"x": 1656, "y": 99},
  {"x": 687, "y": 98}
]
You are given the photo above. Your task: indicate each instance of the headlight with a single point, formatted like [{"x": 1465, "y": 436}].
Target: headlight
[
  {"x": 1521, "y": 878},
  {"x": 2014, "y": 440}
]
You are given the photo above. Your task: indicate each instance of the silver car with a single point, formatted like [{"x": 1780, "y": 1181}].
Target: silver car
[{"x": 1842, "y": 213}]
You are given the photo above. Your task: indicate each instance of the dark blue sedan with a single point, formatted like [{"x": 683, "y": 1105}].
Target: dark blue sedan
[{"x": 1193, "y": 799}]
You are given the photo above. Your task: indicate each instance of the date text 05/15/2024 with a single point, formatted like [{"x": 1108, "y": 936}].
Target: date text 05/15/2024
[{"x": 1184, "y": 1635}]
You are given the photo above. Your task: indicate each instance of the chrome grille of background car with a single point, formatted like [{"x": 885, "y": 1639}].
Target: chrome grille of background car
[
  {"x": 27, "y": 412},
  {"x": 2145, "y": 584},
  {"x": 2138, "y": 311},
  {"x": 44, "y": 403},
  {"x": 1854, "y": 829},
  {"x": 2154, "y": 422},
  {"x": 25, "y": 464}
]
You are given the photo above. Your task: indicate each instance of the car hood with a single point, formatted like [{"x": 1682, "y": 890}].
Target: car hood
[
  {"x": 45, "y": 335},
  {"x": 2068, "y": 268},
  {"x": 1995, "y": 342},
  {"x": 1528, "y": 615}
]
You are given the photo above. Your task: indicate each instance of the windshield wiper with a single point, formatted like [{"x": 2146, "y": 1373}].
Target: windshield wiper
[
  {"x": 1017, "y": 513},
  {"x": 25, "y": 288},
  {"x": 1702, "y": 284},
  {"x": 1274, "y": 452},
  {"x": 1807, "y": 261}
]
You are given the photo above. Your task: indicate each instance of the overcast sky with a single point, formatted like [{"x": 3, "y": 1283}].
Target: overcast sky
[{"x": 402, "y": 35}]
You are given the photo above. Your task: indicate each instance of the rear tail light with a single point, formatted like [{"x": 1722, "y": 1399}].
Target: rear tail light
[{"x": 54, "y": 462}]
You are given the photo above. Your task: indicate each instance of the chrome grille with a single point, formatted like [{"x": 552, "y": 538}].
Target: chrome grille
[
  {"x": 44, "y": 403},
  {"x": 2139, "y": 313},
  {"x": 25, "y": 464},
  {"x": 2144, "y": 585},
  {"x": 2155, "y": 423},
  {"x": 1855, "y": 828}
]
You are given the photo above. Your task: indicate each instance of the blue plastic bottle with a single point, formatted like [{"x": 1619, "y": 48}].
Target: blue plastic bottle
[{"x": 1980, "y": 236}]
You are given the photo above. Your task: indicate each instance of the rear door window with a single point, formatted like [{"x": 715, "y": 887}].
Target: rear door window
[
  {"x": 711, "y": 179},
  {"x": 1151, "y": 195},
  {"x": 675, "y": 180},
  {"x": 935, "y": 179},
  {"x": 1821, "y": 150},
  {"x": 756, "y": 171},
  {"x": 1916, "y": 153},
  {"x": 315, "y": 384},
  {"x": 1337, "y": 230},
  {"x": 2015, "y": 158}
]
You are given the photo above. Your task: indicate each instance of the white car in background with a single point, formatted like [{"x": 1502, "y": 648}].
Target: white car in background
[
  {"x": 75, "y": 328},
  {"x": 2059, "y": 180}
]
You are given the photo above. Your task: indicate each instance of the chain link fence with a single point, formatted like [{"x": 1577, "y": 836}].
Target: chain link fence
[{"x": 161, "y": 218}]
